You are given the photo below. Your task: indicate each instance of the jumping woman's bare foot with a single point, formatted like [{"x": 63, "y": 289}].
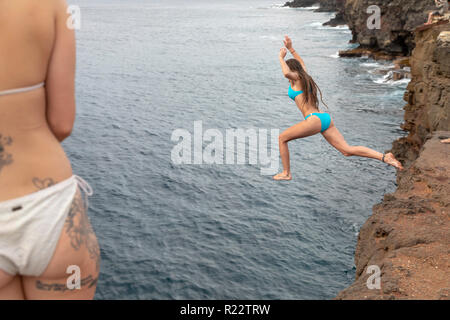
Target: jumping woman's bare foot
[
  {"x": 389, "y": 158},
  {"x": 283, "y": 176},
  {"x": 445, "y": 140}
]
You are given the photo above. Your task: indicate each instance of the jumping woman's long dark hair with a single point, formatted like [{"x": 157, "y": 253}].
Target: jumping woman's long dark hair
[{"x": 309, "y": 86}]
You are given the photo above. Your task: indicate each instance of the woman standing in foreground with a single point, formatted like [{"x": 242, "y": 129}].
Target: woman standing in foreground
[
  {"x": 47, "y": 245},
  {"x": 303, "y": 90}
]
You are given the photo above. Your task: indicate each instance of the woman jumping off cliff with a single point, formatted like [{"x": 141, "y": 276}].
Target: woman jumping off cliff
[{"x": 303, "y": 90}]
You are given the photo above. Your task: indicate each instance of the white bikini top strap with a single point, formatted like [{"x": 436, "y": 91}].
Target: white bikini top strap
[{"x": 21, "y": 90}]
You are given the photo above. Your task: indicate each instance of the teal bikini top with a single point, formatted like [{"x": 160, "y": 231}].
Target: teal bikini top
[{"x": 293, "y": 93}]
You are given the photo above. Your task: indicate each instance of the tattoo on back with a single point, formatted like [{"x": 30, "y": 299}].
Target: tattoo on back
[
  {"x": 43, "y": 183},
  {"x": 5, "y": 157},
  {"x": 79, "y": 230}
]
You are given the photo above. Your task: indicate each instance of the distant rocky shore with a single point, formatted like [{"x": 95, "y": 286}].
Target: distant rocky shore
[
  {"x": 408, "y": 235},
  {"x": 324, "y": 5},
  {"x": 399, "y": 18}
]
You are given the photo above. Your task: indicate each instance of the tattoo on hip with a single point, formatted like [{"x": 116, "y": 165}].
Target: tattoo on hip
[{"x": 5, "y": 157}]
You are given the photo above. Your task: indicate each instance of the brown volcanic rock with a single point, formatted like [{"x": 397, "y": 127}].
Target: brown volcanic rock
[
  {"x": 324, "y": 5},
  {"x": 428, "y": 94},
  {"x": 408, "y": 234},
  {"x": 398, "y": 20},
  {"x": 365, "y": 52},
  {"x": 330, "y": 5},
  {"x": 338, "y": 20},
  {"x": 301, "y": 3}
]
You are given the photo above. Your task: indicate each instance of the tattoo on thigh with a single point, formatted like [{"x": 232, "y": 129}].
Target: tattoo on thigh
[
  {"x": 5, "y": 157},
  {"x": 89, "y": 281},
  {"x": 79, "y": 230},
  {"x": 43, "y": 183}
]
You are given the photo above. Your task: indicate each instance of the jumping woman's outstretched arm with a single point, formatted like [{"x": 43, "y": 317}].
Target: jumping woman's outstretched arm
[
  {"x": 288, "y": 44},
  {"x": 285, "y": 68}
]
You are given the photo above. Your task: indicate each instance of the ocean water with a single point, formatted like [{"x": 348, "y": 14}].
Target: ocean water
[{"x": 166, "y": 231}]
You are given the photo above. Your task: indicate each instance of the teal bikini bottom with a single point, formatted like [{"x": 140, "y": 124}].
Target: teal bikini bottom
[{"x": 324, "y": 117}]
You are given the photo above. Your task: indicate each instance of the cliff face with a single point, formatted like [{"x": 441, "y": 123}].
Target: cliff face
[
  {"x": 398, "y": 19},
  {"x": 428, "y": 93},
  {"x": 339, "y": 18},
  {"x": 408, "y": 234}
]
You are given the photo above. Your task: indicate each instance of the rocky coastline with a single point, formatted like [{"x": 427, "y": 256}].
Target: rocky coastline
[
  {"x": 408, "y": 234},
  {"x": 324, "y": 5},
  {"x": 398, "y": 20}
]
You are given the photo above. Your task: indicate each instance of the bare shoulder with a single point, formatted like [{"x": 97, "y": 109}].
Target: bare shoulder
[
  {"x": 55, "y": 8},
  {"x": 60, "y": 6},
  {"x": 27, "y": 29},
  {"x": 49, "y": 6},
  {"x": 31, "y": 13}
]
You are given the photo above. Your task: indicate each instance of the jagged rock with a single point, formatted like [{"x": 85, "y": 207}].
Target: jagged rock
[
  {"x": 400, "y": 74},
  {"x": 330, "y": 5},
  {"x": 338, "y": 20},
  {"x": 398, "y": 20},
  {"x": 441, "y": 54},
  {"x": 402, "y": 63},
  {"x": 301, "y": 3},
  {"x": 367, "y": 52},
  {"x": 428, "y": 94},
  {"x": 324, "y": 5},
  {"x": 408, "y": 234}
]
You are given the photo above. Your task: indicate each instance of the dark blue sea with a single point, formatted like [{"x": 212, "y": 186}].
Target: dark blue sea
[{"x": 167, "y": 231}]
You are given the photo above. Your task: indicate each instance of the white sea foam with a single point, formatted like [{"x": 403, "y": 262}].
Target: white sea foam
[
  {"x": 308, "y": 8},
  {"x": 371, "y": 64},
  {"x": 270, "y": 37},
  {"x": 318, "y": 25},
  {"x": 380, "y": 70},
  {"x": 387, "y": 79},
  {"x": 335, "y": 56},
  {"x": 401, "y": 82},
  {"x": 314, "y": 24},
  {"x": 277, "y": 6},
  {"x": 340, "y": 27}
]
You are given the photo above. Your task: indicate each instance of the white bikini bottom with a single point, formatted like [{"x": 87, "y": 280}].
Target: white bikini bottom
[{"x": 30, "y": 226}]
